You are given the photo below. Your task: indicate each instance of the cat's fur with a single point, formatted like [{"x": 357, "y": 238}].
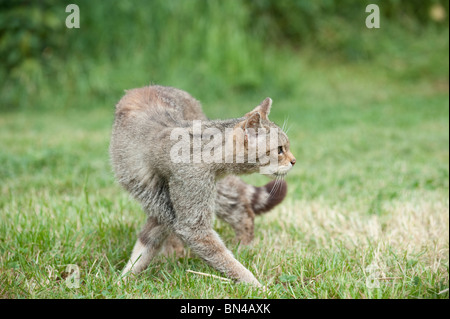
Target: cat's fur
[{"x": 181, "y": 198}]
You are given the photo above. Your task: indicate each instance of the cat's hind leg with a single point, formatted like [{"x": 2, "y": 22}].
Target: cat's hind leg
[{"x": 150, "y": 241}]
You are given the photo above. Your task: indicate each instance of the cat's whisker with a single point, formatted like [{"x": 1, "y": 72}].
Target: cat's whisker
[
  {"x": 280, "y": 182},
  {"x": 277, "y": 186},
  {"x": 273, "y": 188},
  {"x": 289, "y": 127},
  {"x": 285, "y": 123}
]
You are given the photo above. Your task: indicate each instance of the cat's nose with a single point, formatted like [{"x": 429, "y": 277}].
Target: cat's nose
[{"x": 293, "y": 161}]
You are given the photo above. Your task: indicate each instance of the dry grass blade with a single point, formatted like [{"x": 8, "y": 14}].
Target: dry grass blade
[
  {"x": 208, "y": 275},
  {"x": 443, "y": 291}
]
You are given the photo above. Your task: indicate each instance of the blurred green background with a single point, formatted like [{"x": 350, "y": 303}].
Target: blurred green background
[{"x": 216, "y": 50}]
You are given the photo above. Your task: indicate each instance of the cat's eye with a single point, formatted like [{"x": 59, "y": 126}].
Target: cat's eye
[{"x": 280, "y": 150}]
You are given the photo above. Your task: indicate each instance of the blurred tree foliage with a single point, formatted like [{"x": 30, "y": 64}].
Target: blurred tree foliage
[
  {"x": 29, "y": 32},
  {"x": 298, "y": 21},
  {"x": 229, "y": 38},
  {"x": 335, "y": 25}
]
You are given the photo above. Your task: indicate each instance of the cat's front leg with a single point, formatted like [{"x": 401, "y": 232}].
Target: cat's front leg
[
  {"x": 206, "y": 244},
  {"x": 193, "y": 225}
]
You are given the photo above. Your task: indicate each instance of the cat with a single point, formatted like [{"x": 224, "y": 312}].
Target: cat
[{"x": 180, "y": 198}]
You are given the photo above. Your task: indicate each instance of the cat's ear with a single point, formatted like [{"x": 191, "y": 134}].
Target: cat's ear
[
  {"x": 263, "y": 109},
  {"x": 253, "y": 121},
  {"x": 250, "y": 125}
]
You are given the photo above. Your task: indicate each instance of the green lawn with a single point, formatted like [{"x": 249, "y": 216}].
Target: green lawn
[{"x": 366, "y": 216}]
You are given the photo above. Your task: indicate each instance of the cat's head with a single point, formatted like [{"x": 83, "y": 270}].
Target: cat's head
[{"x": 265, "y": 142}]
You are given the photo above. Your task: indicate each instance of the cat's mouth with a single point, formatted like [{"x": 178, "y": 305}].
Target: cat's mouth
[
  {"x": 279, "y": 175},
  {"x": 277, "y": 172},
  {"x": 283, "y": 170}
]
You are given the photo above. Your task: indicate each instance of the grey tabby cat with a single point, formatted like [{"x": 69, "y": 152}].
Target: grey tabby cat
[{"x": 181, "y": 198}]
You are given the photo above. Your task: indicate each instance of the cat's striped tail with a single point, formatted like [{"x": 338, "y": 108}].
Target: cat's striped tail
[
  {"x": 268, "y": 196},
  {"x": 236, "y": 198},
  {"x": 238, "y": 203}
]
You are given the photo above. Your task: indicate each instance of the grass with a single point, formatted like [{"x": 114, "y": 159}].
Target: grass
[{"x": 367, "y": 212}]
